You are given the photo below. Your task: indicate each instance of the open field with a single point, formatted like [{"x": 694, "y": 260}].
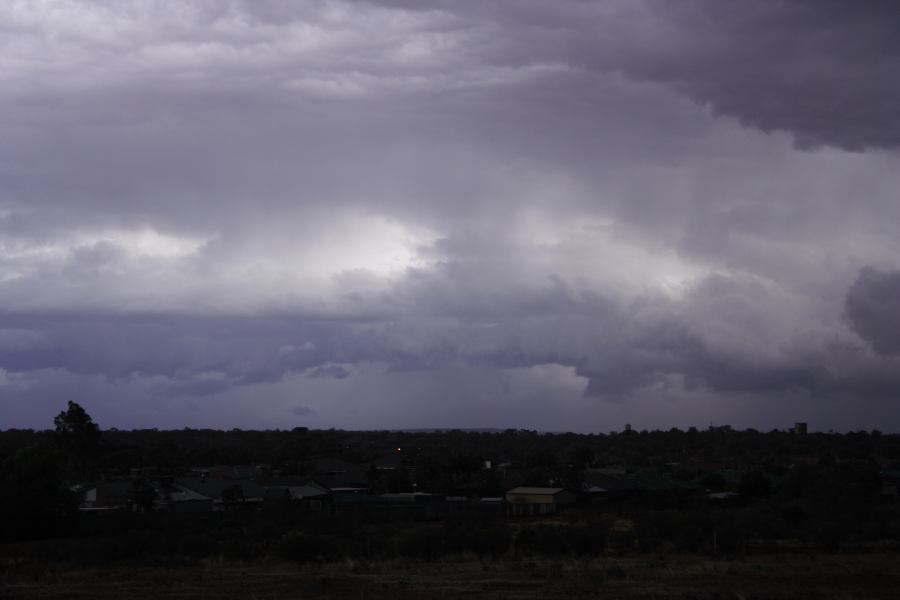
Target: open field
[{"x": 681, "y": 576}]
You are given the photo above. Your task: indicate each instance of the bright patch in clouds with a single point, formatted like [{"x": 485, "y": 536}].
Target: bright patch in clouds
[
  {"x": 360, "y": 243},
  {"x": 590, "y": 250},
  {"x": 144, "y": 242}
]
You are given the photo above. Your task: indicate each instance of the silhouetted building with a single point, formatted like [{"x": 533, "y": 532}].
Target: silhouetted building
[
  {"x": 527, "y": 501},
  {"x": 800, "y": 428}
]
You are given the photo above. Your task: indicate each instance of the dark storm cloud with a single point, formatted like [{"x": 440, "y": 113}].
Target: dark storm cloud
[
  {"x": 819, "y": 70},
  {"x": 208, "y": 199},
  {"x": 240, "y": 350},
  {"x": 822, "y": 71}
]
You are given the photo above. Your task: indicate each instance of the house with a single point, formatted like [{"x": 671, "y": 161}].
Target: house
[
  {"x": 197, "y": 493},
  {"x": 338, "y": 482},
  {"x": 115, "y": 495},
  {"x": 309, "y": 497},
  {"x": 175, "y": 497},
  {"x": 220, "y": 472},
  {"x": 597, "y": 483},
  {"x": 527, "y": 501},
  {"x": 413, "y": 497},
  {"x": 335, "y": 475}
]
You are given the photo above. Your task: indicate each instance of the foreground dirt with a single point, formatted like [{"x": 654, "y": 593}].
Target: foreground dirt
[{"x": 827, "y": 576}]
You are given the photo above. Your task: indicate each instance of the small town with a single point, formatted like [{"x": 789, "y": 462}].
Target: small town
[{"x": 319, "y": 498}]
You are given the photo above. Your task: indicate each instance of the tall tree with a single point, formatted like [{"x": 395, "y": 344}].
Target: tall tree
[
  {"x": 75, "y": 430},
  {"x": 79, "y": 438}
]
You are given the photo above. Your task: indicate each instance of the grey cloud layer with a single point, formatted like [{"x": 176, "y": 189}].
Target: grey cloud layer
[
  {"x": 873, "y": 309},
  {"x": 727, "y": 335},
  {"x": 199, "y": 197}
]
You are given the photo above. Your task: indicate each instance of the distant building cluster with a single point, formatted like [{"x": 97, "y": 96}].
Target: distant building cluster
[
  {"x": 335, "y": 487},
  {"x": 494, "y": 485}
]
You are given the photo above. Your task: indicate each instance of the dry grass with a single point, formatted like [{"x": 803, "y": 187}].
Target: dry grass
[{"x": 682, "y": 576}]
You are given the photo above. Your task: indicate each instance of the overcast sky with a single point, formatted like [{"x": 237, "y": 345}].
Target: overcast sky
[{"x": 565, "y": 215}]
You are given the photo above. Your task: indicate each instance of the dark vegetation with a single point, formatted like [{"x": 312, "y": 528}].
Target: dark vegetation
[{"x": 719, "y": 492}]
